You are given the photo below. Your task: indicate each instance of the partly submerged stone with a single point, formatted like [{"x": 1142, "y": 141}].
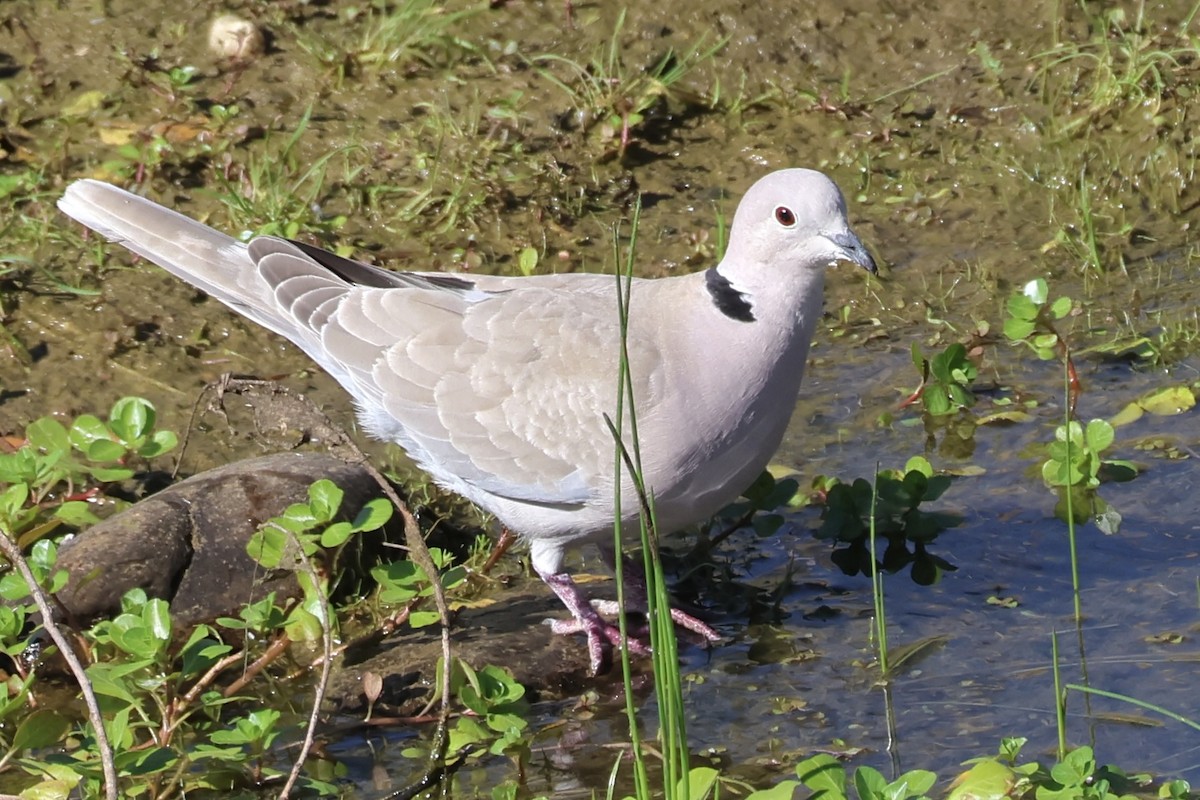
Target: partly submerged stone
[{"x": 187, "y": 543}]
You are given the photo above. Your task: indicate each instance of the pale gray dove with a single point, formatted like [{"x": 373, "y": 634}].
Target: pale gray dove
[{"x": 498, "y": 386}]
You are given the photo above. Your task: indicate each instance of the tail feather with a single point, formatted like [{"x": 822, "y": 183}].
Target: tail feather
[{"x": 192, "y": 251}]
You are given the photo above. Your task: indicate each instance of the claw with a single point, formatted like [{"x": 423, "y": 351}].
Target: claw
[
  {"x": 602, "y": 635},
  {"x": 694, "y": 625},
  {"x": 681, "y": 618}
]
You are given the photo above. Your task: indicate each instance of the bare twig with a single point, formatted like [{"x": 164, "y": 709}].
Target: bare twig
[
  {"x": 505, "y": 541},
  {"x": 14, "y": 556},
  {"x": 314, "y": 716},
  {"x": 342, "y": 446},
  {"x": 209, "y": 677},
  {"x": 273, "y": 651}
]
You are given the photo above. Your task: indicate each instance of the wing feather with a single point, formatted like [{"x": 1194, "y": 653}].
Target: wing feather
[{"x": 476, "y": 384}]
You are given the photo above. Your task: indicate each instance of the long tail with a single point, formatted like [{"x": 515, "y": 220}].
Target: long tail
[{"x": 206, "y": 258}]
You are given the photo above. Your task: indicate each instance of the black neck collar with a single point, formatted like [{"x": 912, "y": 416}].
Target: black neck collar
[{"x": 728, "y": 300}]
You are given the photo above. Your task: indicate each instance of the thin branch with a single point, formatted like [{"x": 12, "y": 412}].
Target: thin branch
[
  {"x": 14, "y": 556},
  {"x": 273, "y": 651},
  {"x": 314, "y": 717},
  {"x": 343, "y": 447}
]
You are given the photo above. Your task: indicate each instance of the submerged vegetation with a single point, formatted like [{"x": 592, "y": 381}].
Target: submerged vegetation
[{"x": 1028, "y": 173}]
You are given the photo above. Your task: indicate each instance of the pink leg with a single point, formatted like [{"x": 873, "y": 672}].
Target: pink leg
[
  {"x": 681, "y": 618},
  {"x": 635, "y": 595},
  {"x": 601, "y": 635}
]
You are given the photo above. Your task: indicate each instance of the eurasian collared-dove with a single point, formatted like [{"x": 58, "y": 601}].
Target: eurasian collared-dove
[{"x": 498, "y": 386}]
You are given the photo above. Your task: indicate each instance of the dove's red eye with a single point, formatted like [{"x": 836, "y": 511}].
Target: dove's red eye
[{"x": 785, "y": 217}]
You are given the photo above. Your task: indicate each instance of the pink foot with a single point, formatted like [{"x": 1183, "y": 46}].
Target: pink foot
[
  {"x": 602, "y": 635},
  {"x": 681, "y": 618}
]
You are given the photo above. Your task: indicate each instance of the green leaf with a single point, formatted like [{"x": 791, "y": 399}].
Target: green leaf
[
  {"x": 961, "y": 397},
  {"x": 1074, "y": 429},
  {"x": 936, "y": 487},
  {"x": 1037, "y": 291},
  {"x": 48, "y": 435},
  {"x": 300, "y": 517},
  {"x": 527, "y": 261},
  {"x": 262, "y": 615},
  {"x": 823, "y": 774},
  {"x": 87, "y": 429},
  {"x": 870, "y": 784},
  {"x": 1022, "y": 308},
  {"x": 234, "y": 755},
  {"x": 12, "y": 622},
  {"x": 1132, "y": 412},
  {"x": 200, "y": 652},
  {"x": 57, "y": 782},
  {"x": 43, "y": 556},
  {"x": 784, "y": 790},
  {"x": 156, "y": 616},
  {"x": 700, "y": 783},
  {"x": 132, "y": 418},
  {"x": 373, "y": 515},
  {"x": 42, "y": 728},
  {"x": 467, "y": 731},
  {"x": 944, "y": 362},
  {"x": 13, "y": 587},
  {"x": 422, "y": 619},
  {"x": 336, "y": 534},
  {"x": 146, "y": 762},
  {"x": 161, "y": 442},
  {"x": 325, "y": 498},
  {"x": 506, "y": 723},
  {"x": 454, "y": 576},
  {"x": 76, "y": 512},
  {"x": 1044, "y": 341},
  {"x": 399, "y": 581},
  {"x": 104, "y": 451},
  {"x": 109, "y": 679},
  {"x": 1166, "y": 401},
  {"x": 1061, "y": 307},
  {"x": 302, "y": 626},
  {"x": 985, "y": 780},
  {"x": 131, "y": 636},
  {"x": 918, "y": 782},
  {"x": 766, "y": 525},
  {"x": 260, "y": 724},
  {"x": 12, "y": 500},
  {"x": 1118, "y": 471},
  {"x": 267, "y": 546},
  {"x": 111, "y": 474},
  {"x": 1060, "y": 473},
  {"x": 20, "y": 467},
  {"x": 1018, "y": 329},
  {"x": 758, "y": 491},
  {"x": 1099, "y": 436},
  {"x": 937, "y": 400}
]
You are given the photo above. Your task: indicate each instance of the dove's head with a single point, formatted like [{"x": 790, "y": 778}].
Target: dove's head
[{"x": 793, "y": 219}]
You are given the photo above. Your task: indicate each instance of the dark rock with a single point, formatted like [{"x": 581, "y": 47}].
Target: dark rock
[
  {"x": 509, "y": 633},
  {"x": 187, "y": 544}
]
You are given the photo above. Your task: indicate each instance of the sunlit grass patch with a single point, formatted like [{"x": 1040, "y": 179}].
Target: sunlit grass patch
[
  {"x": 611, "y": 100},
  {"x": 384, "y": 36},
  {"x": 452, "y": 164},
  {"x": 1125, "y": 61}
]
